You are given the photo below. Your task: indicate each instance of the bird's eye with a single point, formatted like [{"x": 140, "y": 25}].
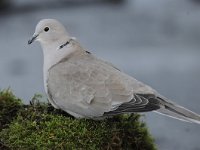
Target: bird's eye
[{"x": 46, "y": 29}]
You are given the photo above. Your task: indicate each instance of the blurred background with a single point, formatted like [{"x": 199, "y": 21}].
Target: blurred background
[{"x": 156, "y": 41}]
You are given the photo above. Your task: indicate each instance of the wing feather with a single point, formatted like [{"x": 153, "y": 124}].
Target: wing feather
[
  {"x": 89, "y": 87},
  {"x": 140, "y": 103}
]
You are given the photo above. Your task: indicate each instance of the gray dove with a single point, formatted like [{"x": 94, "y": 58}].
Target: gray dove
[{"x": 85, "y": 86}]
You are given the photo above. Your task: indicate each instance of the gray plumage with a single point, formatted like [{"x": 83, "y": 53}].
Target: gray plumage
[{"x": 87, "y": 87}]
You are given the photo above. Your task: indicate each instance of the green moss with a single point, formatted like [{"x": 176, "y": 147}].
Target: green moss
[
  {"x": 9, "y": 106},
  {"x": 39, "y": 126}
]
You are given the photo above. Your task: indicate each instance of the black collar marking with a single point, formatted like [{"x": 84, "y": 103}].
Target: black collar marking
[
  {"x": 65, "y": 44},
  {"x": 88, "y": 52}
]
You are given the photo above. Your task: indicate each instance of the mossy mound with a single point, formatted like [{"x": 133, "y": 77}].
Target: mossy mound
[
  {"x": 9, "y": 106},
  {"x": 39, "y": 126}
]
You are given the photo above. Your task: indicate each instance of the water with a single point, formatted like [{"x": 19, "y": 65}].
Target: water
[{"x": 155, "y": 41}]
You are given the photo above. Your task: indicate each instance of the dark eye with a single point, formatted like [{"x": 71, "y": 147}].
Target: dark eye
[{"x": 46, "y": 29}]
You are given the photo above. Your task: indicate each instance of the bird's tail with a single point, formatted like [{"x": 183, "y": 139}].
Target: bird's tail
[{"x": 173, "y": 110}]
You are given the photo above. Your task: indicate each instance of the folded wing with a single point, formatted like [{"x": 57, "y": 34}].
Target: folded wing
[{"x": 90, "y": 87}]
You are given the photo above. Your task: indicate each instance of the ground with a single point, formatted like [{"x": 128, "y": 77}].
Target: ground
[{"x": 39, "y": 126}]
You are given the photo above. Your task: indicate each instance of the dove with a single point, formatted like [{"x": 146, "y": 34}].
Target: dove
[{"x": 85, "y": 86}]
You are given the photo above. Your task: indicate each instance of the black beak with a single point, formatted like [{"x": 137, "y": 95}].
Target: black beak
[{"x": 32, "y": 39}]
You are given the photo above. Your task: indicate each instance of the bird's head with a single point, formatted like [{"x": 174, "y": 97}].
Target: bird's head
[{"x": 48, "y": 31}]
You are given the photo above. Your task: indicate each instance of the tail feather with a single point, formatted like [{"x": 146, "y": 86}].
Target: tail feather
[{"x": 173, "y": 110}]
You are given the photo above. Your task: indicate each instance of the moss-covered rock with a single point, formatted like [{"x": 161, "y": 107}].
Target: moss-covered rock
[
  {"x": 9, "y": 106},
  {"x": 39, "y": 126}
]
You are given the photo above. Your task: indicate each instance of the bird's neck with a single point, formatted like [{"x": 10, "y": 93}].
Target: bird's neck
[
  {"x": 53, "y": 54},
  {"x": 55, "y": 51}
]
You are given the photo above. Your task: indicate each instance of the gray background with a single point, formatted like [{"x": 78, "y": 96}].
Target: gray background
[{"x": 156, "y": 41}]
